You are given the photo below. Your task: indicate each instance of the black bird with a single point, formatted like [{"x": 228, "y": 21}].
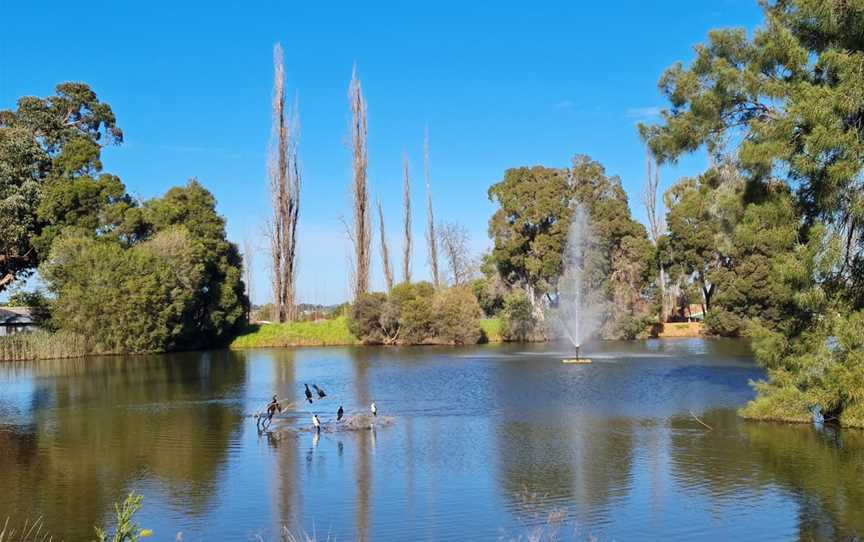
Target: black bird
[
  {"x": 339, "y": 413},
  {"x": 321, "y": 394},
  {"x": 273, "y": 407},
  {"x": 308, "y": 393}
]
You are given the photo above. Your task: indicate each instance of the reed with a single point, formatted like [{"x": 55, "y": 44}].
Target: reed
[
  {"x": 31, "y": 531},
  {"x": 43, "y": 345}
]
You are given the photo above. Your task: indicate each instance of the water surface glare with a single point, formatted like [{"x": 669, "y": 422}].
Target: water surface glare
[{"x": 486, "y": 443}]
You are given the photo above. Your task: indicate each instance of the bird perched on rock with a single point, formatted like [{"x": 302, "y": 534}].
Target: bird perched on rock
[
  {"x": 373, "y": 408},
  {"x": 339, "y": 413},
  {"x": 316, "y": 422},
  {"x": 321, "y": 394},
  {"x": 308, "y": 393}
]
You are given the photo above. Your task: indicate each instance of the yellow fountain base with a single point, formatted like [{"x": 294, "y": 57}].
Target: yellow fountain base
[{"x": 581, "y": 361}]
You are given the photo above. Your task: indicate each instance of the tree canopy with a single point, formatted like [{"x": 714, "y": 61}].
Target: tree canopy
[
  {"x": 128, "y": 277},
  {"x": 530, "y": 230},
  {"x": 785, "y": 106}
]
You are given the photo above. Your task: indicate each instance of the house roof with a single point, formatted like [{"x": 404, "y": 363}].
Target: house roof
[{"x": 15, "y": 316}]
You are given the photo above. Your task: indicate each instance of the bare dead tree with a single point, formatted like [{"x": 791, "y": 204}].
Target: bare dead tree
[
  {"x": 362, "y": 226},
  {"x": 277, "y": 167},
  {"x": 292, "y": 213},
  {"x": 406, "y": 219},
  {"x": 248, "y": 264},
  {"x": 385, "y": 251},
  {"x": 285, "y": 180},
  {"x": 455, "y": 241},
  {"x": 431, "y": 238},
  {"x": 656, "y": 224}
]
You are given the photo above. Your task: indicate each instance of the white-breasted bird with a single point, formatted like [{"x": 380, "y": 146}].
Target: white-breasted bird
[
  {"x": 316, "y": 422},
  {"x": 373, "y": 408}
]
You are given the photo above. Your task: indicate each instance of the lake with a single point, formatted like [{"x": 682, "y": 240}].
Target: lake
[{"x": 489, "y": 442}]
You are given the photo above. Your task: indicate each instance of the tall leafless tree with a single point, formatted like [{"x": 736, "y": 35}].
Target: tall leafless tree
[
  {"x": 360, "y": 230},
  {"x": 248, "y": 264},
  {"x": 431, "y": 237},
  {"x": 656, "y": 225},
  {"x": 385, "y": 251},
  {"x": 455, "y": 246},
  {"x": 406, "y": 219},
  {"x": 285, "y": 181}
]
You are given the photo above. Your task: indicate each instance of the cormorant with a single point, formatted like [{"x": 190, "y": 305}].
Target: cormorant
[
  {"x": 373, "y": 408},
  {"x": 273, "y": 407},
  {"x": 321, "y": 394},
  {"x": 339, "y": 413},
  {"x": 308, "y": 393},
  {"x": 316, "y": 422}
]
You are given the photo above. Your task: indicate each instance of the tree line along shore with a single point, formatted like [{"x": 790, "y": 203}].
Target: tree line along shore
[{"x": 768, "y": 240}]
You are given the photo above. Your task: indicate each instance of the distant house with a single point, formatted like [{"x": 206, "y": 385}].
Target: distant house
[{"x": 15, "y": 320}]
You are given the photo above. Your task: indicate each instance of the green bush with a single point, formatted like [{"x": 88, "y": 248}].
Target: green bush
[
  {"x": 518, "y": 322},
  {"x": 416, "y": 314},
  {"x": 364, "y": 317},
  {"x": 457, "y": 316}
]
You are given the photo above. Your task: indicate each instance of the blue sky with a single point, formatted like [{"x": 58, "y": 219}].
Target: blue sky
[{"x": 499, "y": 84}]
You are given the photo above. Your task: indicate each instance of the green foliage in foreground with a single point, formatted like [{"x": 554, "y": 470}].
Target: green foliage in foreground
[
  {"x": 125, "y": 528},
  {"x": 333, "y": 332},
  {"x": 789, "y": 99}
]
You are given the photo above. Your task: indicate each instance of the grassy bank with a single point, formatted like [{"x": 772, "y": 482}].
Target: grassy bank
[
  {"x": 324, "y": 333},
  {"x": 321, "y": 333},
  {"x": 491, "y": 330}
]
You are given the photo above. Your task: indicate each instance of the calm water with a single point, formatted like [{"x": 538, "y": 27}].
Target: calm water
[{"x": 487, "y": 443}]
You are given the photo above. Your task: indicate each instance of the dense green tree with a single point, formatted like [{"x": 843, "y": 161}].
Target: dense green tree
[
  {"x": 122, "y": 300},
  {"x": 702, "y": 214},
  {"x": 530, "y": 226},
  {"x": 530, "y": 230},
  {"x": 217, "y": 313},
  {"x": 47, "y": 145},
  {"x": 177, "y": 287},
  {"x": 792, "y": 99},
  {"x": 793, "y": 95}
]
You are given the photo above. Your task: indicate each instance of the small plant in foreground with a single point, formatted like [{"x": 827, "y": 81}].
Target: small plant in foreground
[{"x": 125, "y": 530}]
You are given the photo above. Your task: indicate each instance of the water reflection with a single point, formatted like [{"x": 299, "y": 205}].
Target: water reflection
[
  {"x": 87, "y": 431},
  {"x": 486, "y": 441}
]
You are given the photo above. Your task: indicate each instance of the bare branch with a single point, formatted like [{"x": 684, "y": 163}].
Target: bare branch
[
  {"x": 362, "y": 220},
  {"x": 406, "y": 204},
  {"x": 385, "y": 251},
  {"x": 431, "y": 238}
]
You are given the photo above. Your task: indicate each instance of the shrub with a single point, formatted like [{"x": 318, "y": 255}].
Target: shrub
[
  {"x": 457, "y": 316},
  {"x": 518, "y": 322},
  {"x": 364, "y": 317}
]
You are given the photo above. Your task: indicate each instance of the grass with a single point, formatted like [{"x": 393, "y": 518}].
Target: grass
[
  {"x": 42, "y": 345},
  {"x": 332, "y": 332},
  {"x": 32, "y": 531},
  {"x": 491, "y": 329}
]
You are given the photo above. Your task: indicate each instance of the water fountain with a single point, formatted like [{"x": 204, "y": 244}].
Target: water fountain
[{"x": 578, "y": 312}]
